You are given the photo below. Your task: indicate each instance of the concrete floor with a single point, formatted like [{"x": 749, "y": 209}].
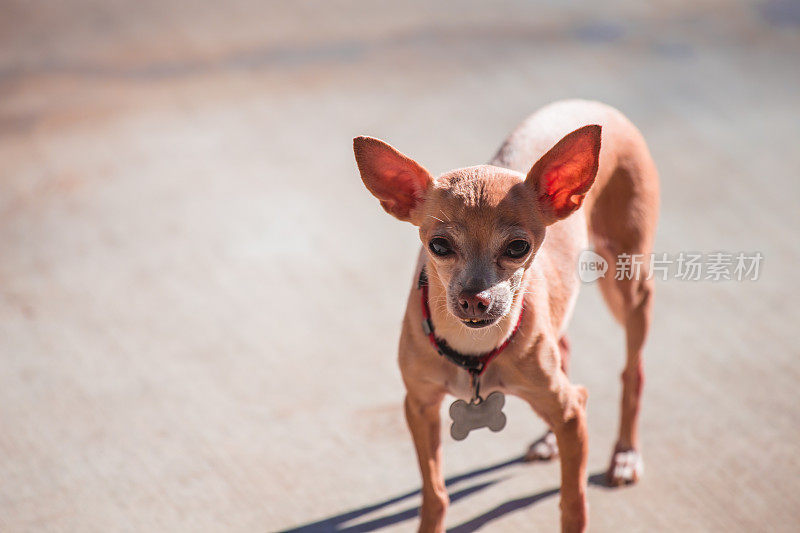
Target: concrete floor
[{"x": 199, "y": 302}]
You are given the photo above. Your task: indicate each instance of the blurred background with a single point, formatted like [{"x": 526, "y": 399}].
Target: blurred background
[{"x": 200, "y": 303}]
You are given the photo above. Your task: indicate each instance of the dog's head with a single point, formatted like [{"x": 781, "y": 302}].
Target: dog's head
[{"x": 482, "y": 225}]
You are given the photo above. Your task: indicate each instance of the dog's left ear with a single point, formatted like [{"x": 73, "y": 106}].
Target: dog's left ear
[
  {"x": 563, "y": 176},
  {"x": 397, "y": 181}
]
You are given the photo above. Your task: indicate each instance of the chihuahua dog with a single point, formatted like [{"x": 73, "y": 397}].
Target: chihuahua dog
[{"x": 497, "y": 282}]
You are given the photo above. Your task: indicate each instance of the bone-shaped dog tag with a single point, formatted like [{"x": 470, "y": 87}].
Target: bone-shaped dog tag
[{"x": 485, "y": 414}]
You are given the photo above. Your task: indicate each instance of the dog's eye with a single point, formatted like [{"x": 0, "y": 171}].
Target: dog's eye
[
  {"x": 440, "y": 246},
  {"x": 517, "y": 249}
]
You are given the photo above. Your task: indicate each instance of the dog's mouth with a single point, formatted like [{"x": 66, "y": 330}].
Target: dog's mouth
[{"x": 477, "y": 323}]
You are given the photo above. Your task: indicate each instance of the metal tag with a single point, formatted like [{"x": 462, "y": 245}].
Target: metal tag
[{"x": 477, "y": 414}]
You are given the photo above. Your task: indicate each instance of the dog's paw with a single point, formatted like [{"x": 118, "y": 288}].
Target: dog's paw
[
  {"x": 544, "y": 449},
  {"x": 626, "y": 468}
]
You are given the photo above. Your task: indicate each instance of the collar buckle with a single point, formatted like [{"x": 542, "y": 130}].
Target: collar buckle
[{"x": 427, "y": 327}]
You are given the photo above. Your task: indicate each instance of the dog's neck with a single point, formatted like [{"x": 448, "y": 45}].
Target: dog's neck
[{"x": 459, "y": 337}]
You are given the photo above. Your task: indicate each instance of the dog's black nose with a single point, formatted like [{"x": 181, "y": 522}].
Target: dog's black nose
[{"x": 475, "y": 304}]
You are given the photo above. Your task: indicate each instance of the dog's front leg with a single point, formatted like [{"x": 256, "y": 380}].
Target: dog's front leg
[
  {"x": 422, "y": 414},
  {"x": 563, "y": 406},
  {"x": 571, "y": 435}
]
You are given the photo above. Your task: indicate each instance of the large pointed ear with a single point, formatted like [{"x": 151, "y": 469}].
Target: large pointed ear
[
  {"x": 397, "y": 181},
  {"x": 563, "y": 176}
]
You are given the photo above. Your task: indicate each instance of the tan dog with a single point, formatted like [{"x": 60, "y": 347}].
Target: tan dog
[{"x": 500, "y": 249}]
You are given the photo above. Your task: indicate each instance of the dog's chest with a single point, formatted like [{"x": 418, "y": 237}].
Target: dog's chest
[{"x": 459, "y": 383}]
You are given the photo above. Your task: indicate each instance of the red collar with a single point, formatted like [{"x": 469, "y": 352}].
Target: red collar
[{"x": 474, "y": 364}]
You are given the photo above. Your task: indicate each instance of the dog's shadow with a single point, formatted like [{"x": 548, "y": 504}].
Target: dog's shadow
[{"x": 339, "y": 522}]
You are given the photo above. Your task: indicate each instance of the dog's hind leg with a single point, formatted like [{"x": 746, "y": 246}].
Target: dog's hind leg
[
  {"x": 622, "y": 225},
  {"x": 636, "y": 300}
]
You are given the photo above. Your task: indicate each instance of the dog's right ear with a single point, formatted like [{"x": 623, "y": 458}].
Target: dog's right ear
[{"x": 397, "y": 181}]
